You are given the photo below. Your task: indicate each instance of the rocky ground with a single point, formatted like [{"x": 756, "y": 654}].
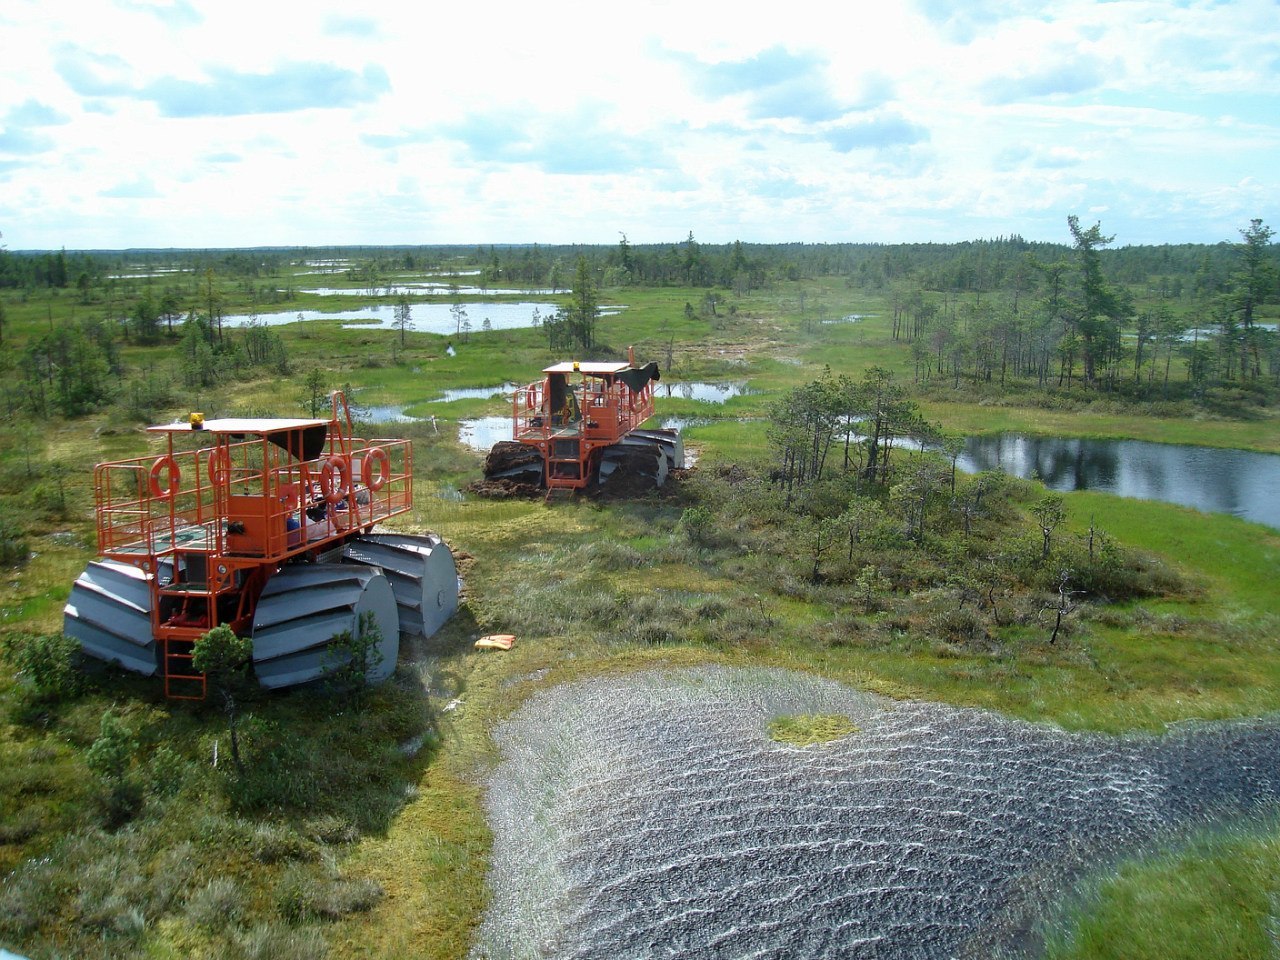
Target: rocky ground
[{"x": 651, "y": 816}]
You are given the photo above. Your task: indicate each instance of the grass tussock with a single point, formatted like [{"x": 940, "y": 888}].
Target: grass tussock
[
  {"x": 806, "y": 729},
  {"x": 302, "y": 895},
  {"x": 217, "y": 905}
]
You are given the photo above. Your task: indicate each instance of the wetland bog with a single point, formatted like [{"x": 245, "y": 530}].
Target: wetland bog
[{"x": 962, "y": 707}]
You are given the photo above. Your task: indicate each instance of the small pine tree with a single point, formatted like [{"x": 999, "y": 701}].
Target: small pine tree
[
  {"x": 224, "y": 659},
  {"x": 110, "y": 758}
]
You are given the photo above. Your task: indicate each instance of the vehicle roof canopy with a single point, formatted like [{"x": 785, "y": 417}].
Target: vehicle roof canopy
[
  {"x": 277, "y": 431},
  {"x": 590, "y": 369},
  {"x": 636, "y": 378}
]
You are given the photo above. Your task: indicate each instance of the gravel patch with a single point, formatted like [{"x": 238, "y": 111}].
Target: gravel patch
[{"x": 651, "y": 816}]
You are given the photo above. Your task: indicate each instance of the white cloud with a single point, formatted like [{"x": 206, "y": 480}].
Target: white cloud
[
  {"x": 189, "y": 122},
  {"x": 286, "y": 88},
  {"x": 139, "y": 188}
]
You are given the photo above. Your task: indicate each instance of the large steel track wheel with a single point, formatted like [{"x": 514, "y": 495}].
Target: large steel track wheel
[
  {"x": 109, "y": 612},
  {"x": 511, "y": 460},
  {"x": 668, "y": 441},
  {"x": 422, "y": 574},
  {"x": 305, "y": 606}
]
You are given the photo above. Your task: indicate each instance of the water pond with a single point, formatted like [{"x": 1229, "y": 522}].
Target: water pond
[
  {"x": 387, "y": 413},
  {"x": 142, "y": 272},
  {"x": 481, "y": 433},
  {"x": 683, "y": 423},
  {"x": 395, "y": 412},
  {"x": 849, "y": 318},
  {"x": 476, "y": 393},
  {"x": 423, "y": 317},
  {"x": 703, "y": 391},
  {"x": 427, "y": 288},
  {"x": 1239, "y": 482}
]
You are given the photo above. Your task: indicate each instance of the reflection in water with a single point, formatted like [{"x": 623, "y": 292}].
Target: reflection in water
[
  {"x": 476, "y": 393},
  {"x": 702, "y": 390},
  {"x": 682, "y": 423},
  {"x": 427, "y": 289},
  {"x": 140, "y": 272},
  {"x": 1239, "y": 482},
  {"x": 386, "y": 413},
  {"x": 423, "y": 317},
  {"x": 482, "y": 433}
]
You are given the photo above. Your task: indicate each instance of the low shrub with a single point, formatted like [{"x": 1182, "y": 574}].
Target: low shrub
[
  {"x": 699, "y": 526},
  {"x": 167, "y": 772},
  {"x": 49, "y": 663},
  {"x": 110, "y": 757},
  {"x": 23, "y": 825},
  {"x": 278, "y": 774},
  {"x": 348, "y": 896},
  {"x": 1110, "y": 574},
  {"x": 744, "y": 625},
  {"x": 13, "y": 543},
  {"x": 217, "y": 905},
  {"x": 301, "y": 895},
  {"x": 962, "y": 625},
  {"x": 274, "y": 942},
  {"x": 275, "y": 843}
]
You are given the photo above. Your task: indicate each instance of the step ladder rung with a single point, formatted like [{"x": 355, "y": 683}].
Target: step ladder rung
[{"x": 180, "y": 683}]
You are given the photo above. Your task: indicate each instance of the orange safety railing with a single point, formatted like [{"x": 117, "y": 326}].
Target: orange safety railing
[
  {"x": 147, "y": 508},
  {"x": 530, "y": 417},
  {"x": 609, "y": 411},
  {"x": 210, "y": 524}
]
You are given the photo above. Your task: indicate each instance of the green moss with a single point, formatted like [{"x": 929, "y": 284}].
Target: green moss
[
  {"x": 804, "y": 729},
  {"x": 1214, "y": 897}
]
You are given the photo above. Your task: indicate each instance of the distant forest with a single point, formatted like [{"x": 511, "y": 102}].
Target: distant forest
[
  {"x": 1166, "y": 270},
  {"x": 1190, "y": 323}
]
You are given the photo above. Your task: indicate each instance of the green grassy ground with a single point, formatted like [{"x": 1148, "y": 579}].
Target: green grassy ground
[
  {"x": 1261, "y": 433},
  {"x": 587, "y": 588},
  {"x": 1213, "y": 897},
  {"x": 1142, "y": 666}
]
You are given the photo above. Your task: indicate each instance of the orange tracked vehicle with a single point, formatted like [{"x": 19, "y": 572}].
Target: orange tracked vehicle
[
  {"x": 581, "y": 424},
  {"x": 265, "y": 526}
]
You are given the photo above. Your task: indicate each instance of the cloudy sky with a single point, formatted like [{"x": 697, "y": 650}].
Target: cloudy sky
[{"x": 128, "y": 123}]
